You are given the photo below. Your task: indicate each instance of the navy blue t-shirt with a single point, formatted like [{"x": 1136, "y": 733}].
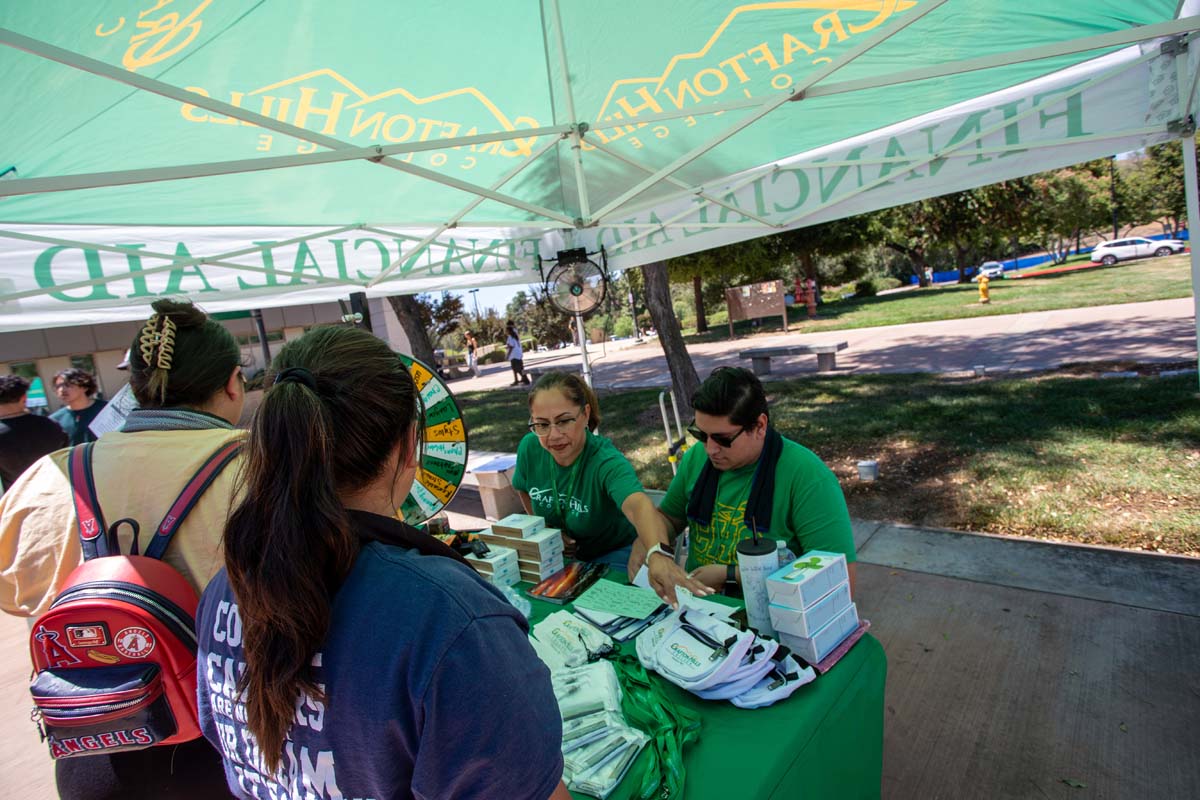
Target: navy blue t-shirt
[{"x": 433, "y": 691}]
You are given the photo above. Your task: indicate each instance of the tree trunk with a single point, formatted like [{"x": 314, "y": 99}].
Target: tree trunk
[
  {"x": 698, "y": 296},
  {"x": 409, "y": 314},
  {"x": 684, "y": 380}
]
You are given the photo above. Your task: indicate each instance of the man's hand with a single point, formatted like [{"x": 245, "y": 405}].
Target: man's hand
[
  {"x": 665, "y": 575},
  {"x": 712, "y": 576}
]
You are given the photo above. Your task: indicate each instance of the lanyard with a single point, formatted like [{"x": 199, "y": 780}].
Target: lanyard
[{"x": 572, "y": 483}]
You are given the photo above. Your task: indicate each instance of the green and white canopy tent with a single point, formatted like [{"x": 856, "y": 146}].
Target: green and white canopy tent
[{"x": 282, "y": 152}]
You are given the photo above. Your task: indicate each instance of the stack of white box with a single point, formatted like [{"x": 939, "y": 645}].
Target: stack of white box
[
  {"x": 810, "y": 606},
  {"x": 499, "y": 567},
  {"x": 539, "y": 555}
]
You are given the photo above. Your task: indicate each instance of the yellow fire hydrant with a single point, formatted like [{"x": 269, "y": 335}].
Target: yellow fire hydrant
[{"x": 983, "y": 290}]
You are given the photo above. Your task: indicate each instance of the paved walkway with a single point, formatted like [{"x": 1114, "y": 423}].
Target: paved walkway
[{"x": 1159, "y": 331}]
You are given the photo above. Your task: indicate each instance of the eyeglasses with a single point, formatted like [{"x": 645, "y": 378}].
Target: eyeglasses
[
  {"x": 542, "y": 429},
  {"x": 721, "y": 439}
]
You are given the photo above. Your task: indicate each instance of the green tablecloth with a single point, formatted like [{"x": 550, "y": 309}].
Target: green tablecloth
[{"x": 825, "y": 741}]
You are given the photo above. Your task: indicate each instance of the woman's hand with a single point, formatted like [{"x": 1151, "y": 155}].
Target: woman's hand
[
  {"x": 569, "y": 546},
  {"x": 665, "y": 575}
]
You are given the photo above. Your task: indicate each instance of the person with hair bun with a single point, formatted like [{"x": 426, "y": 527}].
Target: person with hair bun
[
  {"x": 344, "y": 653},
  {"x": 186, "y": 373},
  {"x": 579, "y": 481}
]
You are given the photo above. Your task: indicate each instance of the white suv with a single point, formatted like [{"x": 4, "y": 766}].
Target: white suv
[
  {"x": 1109, "y": 253},
  {"x": 990, "y": 270}
]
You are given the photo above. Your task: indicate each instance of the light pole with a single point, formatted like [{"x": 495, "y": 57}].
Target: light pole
[
  {"x": 1112, "y": 188},
  {"x": 475, "y": 299}
]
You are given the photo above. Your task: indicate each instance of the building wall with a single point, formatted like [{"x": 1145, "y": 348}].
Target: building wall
[{"x": 51, "y": 349}]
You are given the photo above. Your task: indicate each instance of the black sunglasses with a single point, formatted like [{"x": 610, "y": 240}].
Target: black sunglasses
[{"x": 721, "y": 439}]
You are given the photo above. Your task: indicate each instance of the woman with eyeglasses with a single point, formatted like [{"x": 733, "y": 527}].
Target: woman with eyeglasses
[
  {"x": 343, "y": 653},
  {"x": 579, "y": 481},
  {"x": 745, "y": 476}
]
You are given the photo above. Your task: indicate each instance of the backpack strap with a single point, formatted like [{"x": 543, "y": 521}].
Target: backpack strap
[
  {"x": 93, "y": 533},
  {"x": 188, "y": 498}
]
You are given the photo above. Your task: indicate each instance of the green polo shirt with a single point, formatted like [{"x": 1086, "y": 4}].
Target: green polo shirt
[
  {"x": 808, "y": 511},
  {"x": 583, "y": 500}
]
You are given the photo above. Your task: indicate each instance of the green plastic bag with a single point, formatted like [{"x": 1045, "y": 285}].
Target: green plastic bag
[{"x": 670, "y": 728}]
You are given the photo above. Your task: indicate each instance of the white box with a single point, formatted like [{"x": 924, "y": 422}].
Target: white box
[
  {"x": 497, "y": 560},
  {"x": 815, "y": 648},
  {"x": 806, "y": 622},
  {"x": 504, "y": 577},
  {"x": 521, "y": 526},
  {"x": 807, "y": 579},
  {"x": 536, "y": 572},
  {"x": 541, "y": 546}
]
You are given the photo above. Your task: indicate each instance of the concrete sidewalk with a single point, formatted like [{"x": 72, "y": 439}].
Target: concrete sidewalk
[{"x": 1159, "y": 331}]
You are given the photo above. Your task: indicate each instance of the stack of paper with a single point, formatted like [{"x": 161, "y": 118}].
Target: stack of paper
[{"x": 620, "y": 611}]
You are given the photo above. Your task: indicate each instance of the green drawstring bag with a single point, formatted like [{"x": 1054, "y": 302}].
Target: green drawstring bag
[{"x": 670, "y": 728}]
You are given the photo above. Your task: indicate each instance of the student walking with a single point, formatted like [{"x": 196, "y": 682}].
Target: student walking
[{"x": 515, "y": 355}]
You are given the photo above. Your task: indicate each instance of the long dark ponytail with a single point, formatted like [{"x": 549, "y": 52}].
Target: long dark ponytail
[{"x": 339, "y": 404}]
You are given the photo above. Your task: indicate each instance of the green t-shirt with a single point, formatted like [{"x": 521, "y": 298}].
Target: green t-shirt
[
  {"x": 583, "y": 500},
  {"x": 808, "y": 511}
]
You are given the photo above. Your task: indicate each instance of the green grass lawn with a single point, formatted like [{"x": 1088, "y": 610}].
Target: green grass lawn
[
  {"x": 1126, "y": 282},
  {"x": 1114, "y": 462}
]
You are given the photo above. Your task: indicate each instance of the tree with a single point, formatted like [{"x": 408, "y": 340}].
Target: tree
[
  {"x": 408, "y": 312},
  {"x": 1071, "y": 201},
  {"x": 684, "y": 380},
  {"x": 533, "y": 312}
]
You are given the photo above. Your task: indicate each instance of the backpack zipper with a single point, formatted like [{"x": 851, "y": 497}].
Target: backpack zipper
[{"x": 172, "y": 615}]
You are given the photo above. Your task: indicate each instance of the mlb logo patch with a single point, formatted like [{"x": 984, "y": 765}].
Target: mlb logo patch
[{"x": 88, "y": 635}]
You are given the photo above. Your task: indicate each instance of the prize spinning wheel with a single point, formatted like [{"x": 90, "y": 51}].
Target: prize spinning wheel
[{"x": 444, "y": 451}]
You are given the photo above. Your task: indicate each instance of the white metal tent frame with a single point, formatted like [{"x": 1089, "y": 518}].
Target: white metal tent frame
[{"x": 1178, "y": 35}]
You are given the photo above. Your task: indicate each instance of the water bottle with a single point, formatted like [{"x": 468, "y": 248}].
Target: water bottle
[{"x": 786, "y": 556}]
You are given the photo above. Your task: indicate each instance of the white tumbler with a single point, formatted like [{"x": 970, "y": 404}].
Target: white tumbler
[{"x": 757, "y": 558}]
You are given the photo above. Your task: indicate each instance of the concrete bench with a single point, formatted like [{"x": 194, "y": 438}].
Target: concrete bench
[{"x": 760, "y": 357}]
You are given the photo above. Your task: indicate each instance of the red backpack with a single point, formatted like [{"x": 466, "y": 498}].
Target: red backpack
[{"x": 114, "y": 657}]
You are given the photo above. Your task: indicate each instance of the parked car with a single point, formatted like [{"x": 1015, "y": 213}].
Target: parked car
[
  {"x": 1109, "y": 253},
  {"x": 990, "y": 270}
]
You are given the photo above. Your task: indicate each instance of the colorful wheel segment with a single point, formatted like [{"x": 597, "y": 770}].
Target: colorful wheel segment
[{"x": 444, "y": 454}]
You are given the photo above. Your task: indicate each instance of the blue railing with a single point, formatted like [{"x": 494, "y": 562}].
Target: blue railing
[{"x": 1025, "y": 262}]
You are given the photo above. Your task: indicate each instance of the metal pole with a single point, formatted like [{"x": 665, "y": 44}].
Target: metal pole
[
  {"x": 587, "y": 369},
  {"x": 1193, "y": 212},
  {"x": 358, "y": 304},
  {"x": 256, "y": 315},
  {"x": 475, "y": 298},
  {"x": 637, "y": 329},
  {"x": 1112, "y": 188}
]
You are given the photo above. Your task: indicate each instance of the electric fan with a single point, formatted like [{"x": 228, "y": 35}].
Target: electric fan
[{"x": 576, "y": 285}]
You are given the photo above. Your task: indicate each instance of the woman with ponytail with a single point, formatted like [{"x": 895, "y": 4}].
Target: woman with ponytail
[
  {"x": 186, "y": 373},
  {"x": 344, "y": 653}
]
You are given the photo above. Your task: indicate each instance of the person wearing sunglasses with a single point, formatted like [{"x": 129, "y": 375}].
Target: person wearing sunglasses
[
  {"x": 744, "y": 475},
  {"x": 578, "y": 481}
]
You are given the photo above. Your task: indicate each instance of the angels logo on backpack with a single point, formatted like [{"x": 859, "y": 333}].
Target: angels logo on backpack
[{"x": 115, "y": 655}]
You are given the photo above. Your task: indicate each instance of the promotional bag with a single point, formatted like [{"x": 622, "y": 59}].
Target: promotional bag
[{"x": 114, "y": 656}]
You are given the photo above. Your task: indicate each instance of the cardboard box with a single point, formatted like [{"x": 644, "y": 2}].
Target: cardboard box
[
  {"x": 541, "y": 546},
  {"x": 806, "y": 622},
  {"x": 495, "y": 487},
  {"x": 813, "y": 649},
  {"x": 505, "y": 577},
  {"x": 806, "y": 580},
  {"x": 521, "y": 526}
]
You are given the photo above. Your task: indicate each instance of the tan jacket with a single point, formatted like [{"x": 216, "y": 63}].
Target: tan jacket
[{"x": 137, "y": 475}]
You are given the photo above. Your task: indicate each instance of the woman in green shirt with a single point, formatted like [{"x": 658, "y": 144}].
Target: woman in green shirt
[{"x": 578, "y": 480}]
